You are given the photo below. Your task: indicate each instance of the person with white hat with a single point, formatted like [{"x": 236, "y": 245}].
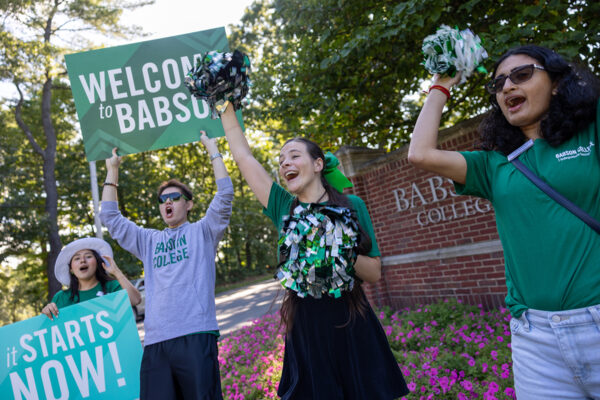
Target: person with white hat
[{"x": 77, "y": 267}]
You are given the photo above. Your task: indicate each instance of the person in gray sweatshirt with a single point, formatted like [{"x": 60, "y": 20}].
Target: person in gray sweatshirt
[{"x": 180, "y": 349}]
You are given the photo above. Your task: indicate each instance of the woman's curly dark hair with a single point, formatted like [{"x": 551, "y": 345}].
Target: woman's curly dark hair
[{"x": 571, "y": 109}]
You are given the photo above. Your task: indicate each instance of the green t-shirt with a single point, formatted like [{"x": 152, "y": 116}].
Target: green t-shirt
[
  {"x": 63, "y": 297},
  {"x": 552, "y": 258},
  {"x": 279, "y": 206}
]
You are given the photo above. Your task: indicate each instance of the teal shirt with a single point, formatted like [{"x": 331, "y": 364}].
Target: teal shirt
[
  {"x": 552, "y": 258},
  {"x": 280, "y": 201},
  {"x": 63, "y": 297}
]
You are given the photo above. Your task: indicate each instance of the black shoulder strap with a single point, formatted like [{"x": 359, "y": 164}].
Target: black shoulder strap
[{"x": 544, "y": 187}]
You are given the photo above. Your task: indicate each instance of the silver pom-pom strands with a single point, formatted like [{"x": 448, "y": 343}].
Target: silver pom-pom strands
[
  {"x": 317, "y": 250},
  {"x": 220, "y": 79},
  {"x": 449, "y": 51}
]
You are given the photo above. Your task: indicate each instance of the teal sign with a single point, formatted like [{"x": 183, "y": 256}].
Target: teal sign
[
  {"x": 92, "y": 351},
  {"x": 133, "y": 96}
]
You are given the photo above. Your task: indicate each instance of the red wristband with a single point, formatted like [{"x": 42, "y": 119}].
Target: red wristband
[{"x": 441, "y": 89}]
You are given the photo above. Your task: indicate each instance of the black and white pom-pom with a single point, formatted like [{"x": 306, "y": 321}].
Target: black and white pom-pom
[{"x": 219, "y": 78}]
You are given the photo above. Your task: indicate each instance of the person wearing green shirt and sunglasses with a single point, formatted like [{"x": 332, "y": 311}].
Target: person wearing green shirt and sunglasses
[{"x": 552, "y": 258}]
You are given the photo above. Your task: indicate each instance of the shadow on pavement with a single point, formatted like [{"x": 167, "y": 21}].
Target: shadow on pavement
[{"x": 238, "y": 308}]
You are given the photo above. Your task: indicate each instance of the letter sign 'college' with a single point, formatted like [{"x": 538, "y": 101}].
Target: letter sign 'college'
[{"x": 407, "y": 199}]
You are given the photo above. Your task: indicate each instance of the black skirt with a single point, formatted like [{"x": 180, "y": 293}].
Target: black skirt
[{"x": 325, "y": 360}]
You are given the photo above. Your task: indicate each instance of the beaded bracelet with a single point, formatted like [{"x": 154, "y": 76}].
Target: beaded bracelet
[{"x": 110, "y": 184}]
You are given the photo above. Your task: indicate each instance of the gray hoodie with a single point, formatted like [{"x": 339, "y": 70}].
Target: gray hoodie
[{"x": 179, "y": 266}]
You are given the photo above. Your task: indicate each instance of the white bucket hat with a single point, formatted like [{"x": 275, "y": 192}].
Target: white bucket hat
[{"x": 61, "y": 267}]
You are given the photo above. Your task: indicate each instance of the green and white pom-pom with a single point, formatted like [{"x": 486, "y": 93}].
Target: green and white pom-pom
[
  {"x": 219, "y": 79},
  {"x": 317, "y": 250},
  {"x": 449, "y": 51}
]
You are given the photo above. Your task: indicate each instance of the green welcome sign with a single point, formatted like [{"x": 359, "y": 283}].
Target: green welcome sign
[
  {"x": 133, "y": 96},
  {"x": 92, "y": 351}
]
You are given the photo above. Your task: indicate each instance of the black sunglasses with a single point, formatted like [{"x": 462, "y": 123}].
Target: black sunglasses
[
  {"x": 518, "y": 75},
  {"x": 174, "y": 196}
]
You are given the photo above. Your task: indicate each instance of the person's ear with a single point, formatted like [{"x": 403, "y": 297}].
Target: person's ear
[
  {"x": 319, "y": 164},
  {"x": 189, "y": 204}
]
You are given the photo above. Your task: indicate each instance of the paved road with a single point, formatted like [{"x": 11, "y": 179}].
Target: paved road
[{"x": 239, "y": 307}]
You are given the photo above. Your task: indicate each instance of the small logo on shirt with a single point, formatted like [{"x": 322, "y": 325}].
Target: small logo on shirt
[
  {"x": 99, "y": 293},
  {"x": 583, "y": 151}
]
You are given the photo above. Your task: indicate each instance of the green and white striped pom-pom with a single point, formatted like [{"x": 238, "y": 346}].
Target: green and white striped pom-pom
[{"x": 449, "y": 51}]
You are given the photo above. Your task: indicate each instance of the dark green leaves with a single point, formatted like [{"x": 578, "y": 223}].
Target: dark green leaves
[{"x": 350, "y": 72}]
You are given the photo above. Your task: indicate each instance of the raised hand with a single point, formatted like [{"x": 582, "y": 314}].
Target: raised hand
[
  {"x": 209, "y": 143},
  {"x": 445, "y": 80},
  {"x": 115, "y": 161},
  {"x": 111, "y": 267}
]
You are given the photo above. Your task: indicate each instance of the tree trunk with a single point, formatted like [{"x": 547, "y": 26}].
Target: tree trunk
[
  {"x": 48, "y": 156},
  {"x": 248, "y": 250},
  {"x": 51, "y": 205},
  {"x": 49, "y": 168}
]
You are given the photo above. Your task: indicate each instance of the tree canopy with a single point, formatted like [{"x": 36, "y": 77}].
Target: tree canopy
[
  {"x": 350, "y": 71},
  {"x": 34, "y": 36}
]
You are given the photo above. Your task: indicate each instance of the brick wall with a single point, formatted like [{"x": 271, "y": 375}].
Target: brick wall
[{"x": 434, "y": 243}]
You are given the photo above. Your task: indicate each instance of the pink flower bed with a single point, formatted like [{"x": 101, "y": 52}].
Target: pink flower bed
[
  {"x": 446, "y": 350},
  {"x": 250, "y": 360}
]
